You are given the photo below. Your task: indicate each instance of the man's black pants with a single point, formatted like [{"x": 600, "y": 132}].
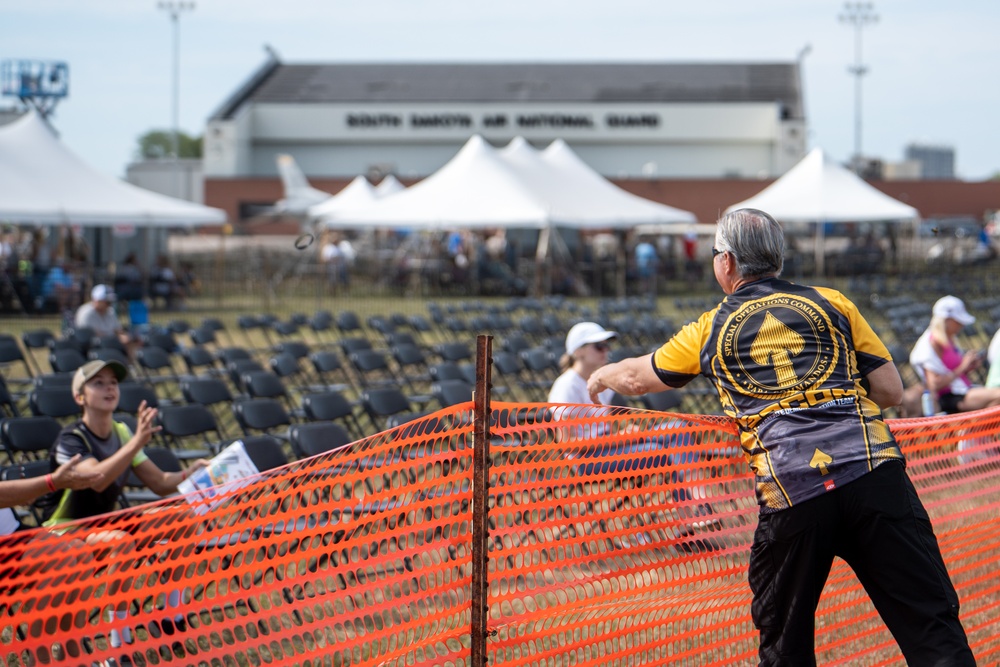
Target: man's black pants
[{"x": 879, "y": 526}]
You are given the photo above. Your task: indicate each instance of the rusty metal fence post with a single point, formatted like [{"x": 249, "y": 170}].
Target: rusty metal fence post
[{"x": 480, "y": 499}]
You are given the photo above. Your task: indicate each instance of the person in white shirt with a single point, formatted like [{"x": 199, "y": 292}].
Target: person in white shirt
[
  {"x": 944, "y": 367},
  {"x": 99, "y": 315},
  {"x": 993, "y": 357},
  {"x": 332, "y": 256},
  {"x": 586, "y": 351}
]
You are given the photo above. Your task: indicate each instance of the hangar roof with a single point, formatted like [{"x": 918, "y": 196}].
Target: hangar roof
[{"x": 277, "y": 82}]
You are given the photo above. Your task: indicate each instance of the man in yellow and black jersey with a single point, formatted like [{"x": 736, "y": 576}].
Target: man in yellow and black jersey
[{"x": 806, "y": 379}]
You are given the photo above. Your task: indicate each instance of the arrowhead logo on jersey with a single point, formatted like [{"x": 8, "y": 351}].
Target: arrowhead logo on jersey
[{"x": 778, "y": 345}]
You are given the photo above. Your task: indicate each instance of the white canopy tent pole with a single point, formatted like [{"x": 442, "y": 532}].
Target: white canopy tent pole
[{"x": 820, "y": 248}]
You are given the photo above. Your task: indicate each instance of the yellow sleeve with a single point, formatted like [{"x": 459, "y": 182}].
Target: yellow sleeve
[
  {"x": 870, "y": 350},
  {"x": 678, "y": 361}
]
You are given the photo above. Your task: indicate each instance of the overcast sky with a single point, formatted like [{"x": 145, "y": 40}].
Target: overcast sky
[{"x": 934, "y": 66}]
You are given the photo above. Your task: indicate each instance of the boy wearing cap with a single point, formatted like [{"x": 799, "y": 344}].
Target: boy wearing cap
[
  {"x": 942, "y": 364},
  {"x": 106, "y": 447}
]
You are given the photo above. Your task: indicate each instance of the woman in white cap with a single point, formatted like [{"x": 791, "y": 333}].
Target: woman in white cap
[
  {"x": 944, "y": 367},
  {"x": 586, "y": 351}
]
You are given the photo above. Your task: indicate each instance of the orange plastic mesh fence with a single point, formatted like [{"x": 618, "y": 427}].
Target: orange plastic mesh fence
[{"x": 615, "y": 539}]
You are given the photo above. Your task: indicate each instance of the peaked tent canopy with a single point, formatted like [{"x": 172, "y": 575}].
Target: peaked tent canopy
[
  {"x": 579, "y": 197},
  {"x": 388, "y": 185},
  {"x": 358, "y": 194},
  {"x": 475, "y": 189},
  {"x": 43, "y": 182},
  {"x": 817, "y": 190},
  {"x": 517, "y": 187}
]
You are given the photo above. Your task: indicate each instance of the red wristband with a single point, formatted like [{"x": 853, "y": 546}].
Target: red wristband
[{"x": 49, "y": 482}]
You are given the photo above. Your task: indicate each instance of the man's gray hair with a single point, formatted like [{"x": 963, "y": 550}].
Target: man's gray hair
[{"x": 757, "y": 241}]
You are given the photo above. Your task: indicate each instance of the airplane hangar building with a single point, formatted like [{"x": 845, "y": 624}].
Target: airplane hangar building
[{"x": 629, "y": 121}]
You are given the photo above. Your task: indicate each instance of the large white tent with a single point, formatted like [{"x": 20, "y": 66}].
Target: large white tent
[
  {"x": 577, "y": 196},
  {"x": 476, "y": 189},
  {"x": 43, "y": 183},
  {"x": 517, "y": 187},
  {"x": 482, "y": 188},
  {"x": 817, "y": 190},
  {"x": 357, "y": 194}
]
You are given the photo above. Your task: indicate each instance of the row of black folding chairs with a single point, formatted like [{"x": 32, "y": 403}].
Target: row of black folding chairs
[{"x": 51, "y": 394}]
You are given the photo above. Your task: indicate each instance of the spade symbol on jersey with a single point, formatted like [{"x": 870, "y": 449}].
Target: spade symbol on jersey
[
  {"x": 820, "y": 460},
  {"x": 776, "y": 344}
]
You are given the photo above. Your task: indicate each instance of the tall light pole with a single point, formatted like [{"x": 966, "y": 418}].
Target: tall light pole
[
  {"x": 175, "y": 8},
  {"x": 858, "y": 15}
]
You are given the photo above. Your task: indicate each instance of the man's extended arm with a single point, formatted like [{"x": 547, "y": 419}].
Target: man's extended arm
[
  {"x": 886, "y": 387},
  {"x": 630, "y": 377}
]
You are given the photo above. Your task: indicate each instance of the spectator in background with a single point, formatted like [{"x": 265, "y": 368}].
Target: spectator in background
[
  {"x": 461, "y": 248},
  {"x": 454, "y": 244},
  {"x": 984, "y": 244},
  {"x": 333, "y": 259},
  {"x": 692, "y": 267},
  {"x": 163, "y": 284},
  {"x": 129, "y": 279},
  {"x": 347, "y": 256},
  {"x": 993, "y": 357},
  {"x": 586, "y": 351},
  {"x": 73, "y": 246},
  {"x": 646, "y": 264},
  {"x": 39, "y": 258},
  {"x": 188, "y": 279},
  {"x": 944, "y": 367},
  {"x": 99, "y": 315},
  {"x": 60, "y": 288},
  {"x": 8, "y": 253}
]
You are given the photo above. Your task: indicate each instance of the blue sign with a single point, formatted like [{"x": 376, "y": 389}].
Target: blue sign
[{"x": 34, "y": 79}]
